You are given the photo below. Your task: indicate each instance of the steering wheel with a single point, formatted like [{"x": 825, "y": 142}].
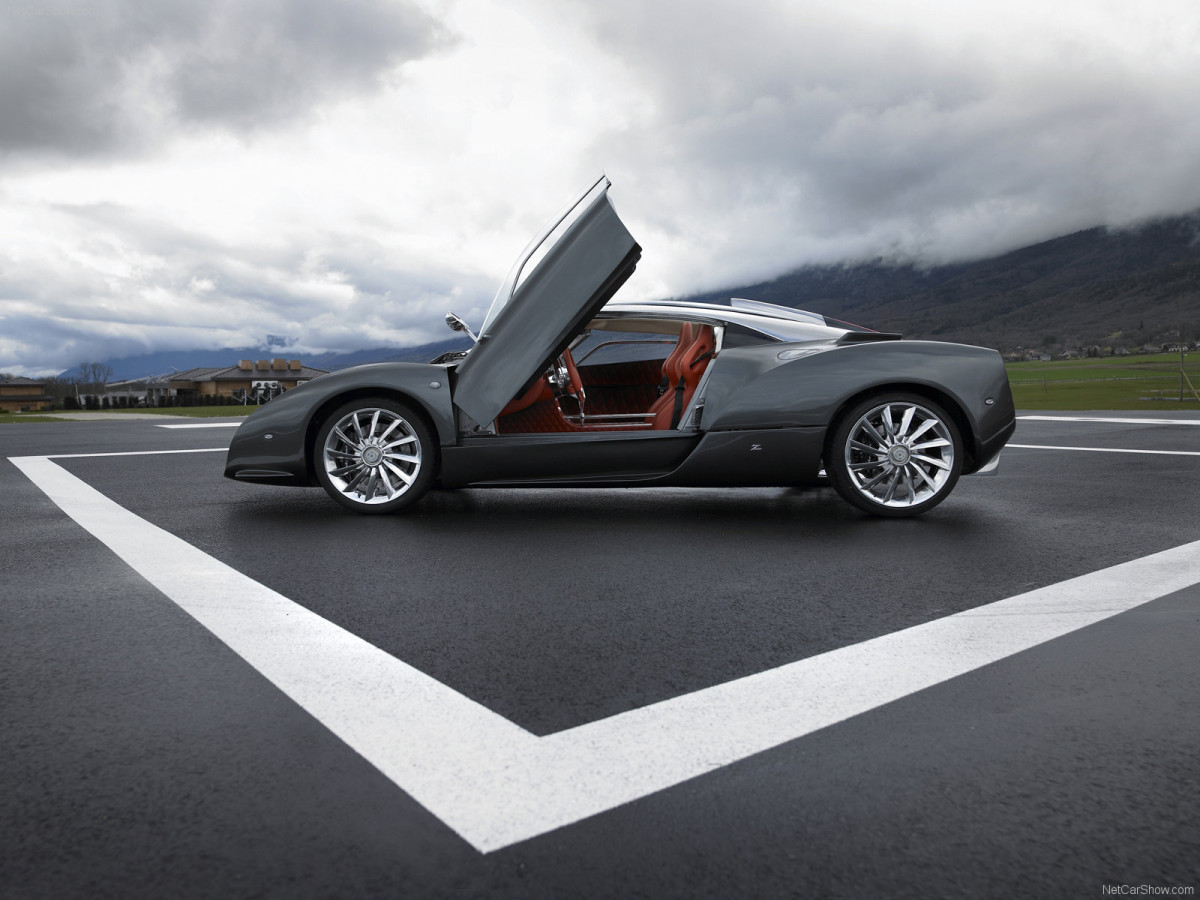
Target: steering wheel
[
  {"x": 573, "y": 375},
  {"x": 565, "y": 379}
]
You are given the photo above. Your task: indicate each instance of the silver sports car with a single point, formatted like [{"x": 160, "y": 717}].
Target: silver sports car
[{"x": 565, "y": 386}]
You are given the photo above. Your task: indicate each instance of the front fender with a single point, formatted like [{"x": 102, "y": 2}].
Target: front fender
[{"x": 271, "y": 445}]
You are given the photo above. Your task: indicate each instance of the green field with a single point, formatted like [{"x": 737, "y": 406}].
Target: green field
[
  {"x": 7, "y": 418},
  {"x": 1108, "y": 382}
]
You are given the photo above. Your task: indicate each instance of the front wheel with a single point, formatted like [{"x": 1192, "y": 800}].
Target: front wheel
[
  {"x": 375, "y": 455},
  {"x": 895, "y": 455}
]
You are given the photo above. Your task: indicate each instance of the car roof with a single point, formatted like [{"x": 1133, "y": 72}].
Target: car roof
[{"x": 785, "y": 325}]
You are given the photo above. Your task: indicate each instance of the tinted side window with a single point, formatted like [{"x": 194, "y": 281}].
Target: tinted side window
[
  {"x": 603, "y": 347},
  {"x": 740, "y": 336}
]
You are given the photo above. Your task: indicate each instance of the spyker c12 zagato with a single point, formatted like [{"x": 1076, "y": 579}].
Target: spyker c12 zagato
[{"x": 566, "y": 387}]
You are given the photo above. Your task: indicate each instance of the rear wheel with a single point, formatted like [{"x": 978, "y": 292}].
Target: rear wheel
[
  {"x": 375, "y": 455},
  {"x": 895, "y": 455}
]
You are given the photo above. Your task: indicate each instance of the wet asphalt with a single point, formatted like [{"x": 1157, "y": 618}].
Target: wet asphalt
[{"x": 142, "y": 757}]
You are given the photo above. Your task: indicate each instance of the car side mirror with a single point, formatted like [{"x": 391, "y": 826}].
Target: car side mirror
[{"x": 457, "y": 324}]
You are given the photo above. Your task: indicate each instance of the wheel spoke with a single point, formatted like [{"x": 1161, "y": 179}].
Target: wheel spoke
[
  {"x": 887, "y": 423},
  {"x": 404, "y": 440},
  {"x": 867, "y": 485},
  {"x": 879, "y": 438},
  {"x": 400, "y": 457},
  {"x": 869, "y": 464},
  {"x": 866, "y": 448},
  {"x": 353, "y": 483},
  {"x": 937, "y": 442},
  {"x": 929, "y": 481},
  {"x": 390, "y": 429},
  {"x": 372, "y": 484},
  {"x": 906, "y": 421},
  {"x": 387, "y": 482},
  {"x": 922, "y": 428},
  {"x": 929, "y": 460},
  {"x": 400, "y": 473},
  {"x": 891, "y": 486}
]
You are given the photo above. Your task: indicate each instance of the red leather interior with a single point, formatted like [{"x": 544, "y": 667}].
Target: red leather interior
[
  {"x": 619, "y": 388},
  {"x": 687, "y": 377},
  {"x": 545, "y": 416},
  {"x": 622, "y": 388},
  {"x": 670, "y": 373},
  {"x": 539, "y": 390},
  {"x": 670, "y": 370}
]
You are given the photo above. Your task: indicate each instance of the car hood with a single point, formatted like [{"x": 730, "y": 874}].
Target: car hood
[{"x": 586, "y": 255}]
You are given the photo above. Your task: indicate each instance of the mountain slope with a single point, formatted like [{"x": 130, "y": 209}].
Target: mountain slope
[
  {"x": 1080, "y": 289},
  {"x": 165, "y": 361}
]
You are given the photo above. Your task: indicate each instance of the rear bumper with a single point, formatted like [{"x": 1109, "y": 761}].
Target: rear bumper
[
  {"x": 988, "y": 454},
  {"x": 991, "y": 467}
]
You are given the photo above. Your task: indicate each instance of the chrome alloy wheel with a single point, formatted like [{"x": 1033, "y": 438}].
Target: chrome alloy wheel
[
  {"x": 900, "y": 455},
  {"x": 372, "y": 456}
]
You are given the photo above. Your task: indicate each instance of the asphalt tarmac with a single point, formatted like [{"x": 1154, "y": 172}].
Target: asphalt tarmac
[{"x": 144, "y": 756}]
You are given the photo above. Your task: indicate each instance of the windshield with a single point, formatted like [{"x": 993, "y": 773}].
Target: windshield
[{"x": 555, "y": 228}]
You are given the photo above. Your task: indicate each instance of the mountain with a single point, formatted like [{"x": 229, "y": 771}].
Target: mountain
[{"x": 1105, "y": 287}]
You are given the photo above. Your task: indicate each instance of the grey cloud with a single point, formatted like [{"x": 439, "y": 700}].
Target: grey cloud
[
  {"x": 94, "y": 76},
  {"x": 854, "y": 138},
  {"x": 185, "y": 290}
]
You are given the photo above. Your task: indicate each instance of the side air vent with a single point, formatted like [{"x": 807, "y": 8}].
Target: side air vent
[{"x": 866, "y": 337}]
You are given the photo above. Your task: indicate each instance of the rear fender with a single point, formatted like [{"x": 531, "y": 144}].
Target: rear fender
[{"x": 751, "y": 388}]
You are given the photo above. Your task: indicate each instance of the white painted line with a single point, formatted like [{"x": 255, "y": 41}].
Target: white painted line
[
  {"x": 204, "y": 425},
  {"x": 1102, "y": 450},
  {"x": 130, "y": 453},
  {"x": 496, "y": 783},
  {"x": 1111, "y": 421}
]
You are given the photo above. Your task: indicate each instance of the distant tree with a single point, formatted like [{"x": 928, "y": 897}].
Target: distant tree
[{"x": 93, "y": 376}]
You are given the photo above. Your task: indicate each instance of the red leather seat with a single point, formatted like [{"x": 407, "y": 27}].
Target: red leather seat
[
  {"x": 539, "y": 390},
  {"x": 670, "y": 370},
  {"x": 685, "y": 379}
]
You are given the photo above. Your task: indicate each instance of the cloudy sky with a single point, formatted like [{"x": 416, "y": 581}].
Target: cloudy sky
[{"x": 182, "y": 174}]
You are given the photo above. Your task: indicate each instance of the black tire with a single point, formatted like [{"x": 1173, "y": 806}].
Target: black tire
[
  {"x": 871, "y": 461},
  {"x": 375, "y": 455}
]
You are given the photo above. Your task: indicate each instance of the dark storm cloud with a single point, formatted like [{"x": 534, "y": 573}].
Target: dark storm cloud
[{"x": 95, "y": 76}]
